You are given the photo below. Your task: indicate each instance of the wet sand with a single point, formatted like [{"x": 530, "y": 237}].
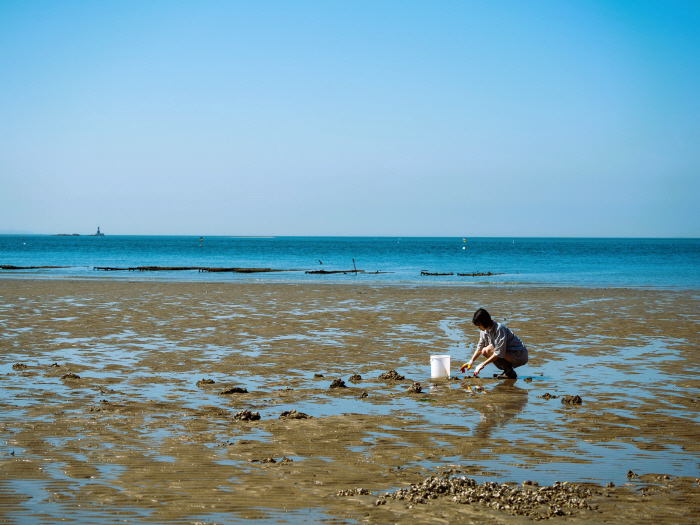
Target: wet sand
[{"x": 135, "y": 439}]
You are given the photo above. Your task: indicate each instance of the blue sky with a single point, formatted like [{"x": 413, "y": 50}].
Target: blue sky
[{"x": 494, "y": 118}]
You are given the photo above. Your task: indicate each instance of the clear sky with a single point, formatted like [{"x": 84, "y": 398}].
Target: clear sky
[{"x": 436, "y": 118}]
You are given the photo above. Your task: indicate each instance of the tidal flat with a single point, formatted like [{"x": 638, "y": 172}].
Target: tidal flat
[{"x": 105, "y": 416}]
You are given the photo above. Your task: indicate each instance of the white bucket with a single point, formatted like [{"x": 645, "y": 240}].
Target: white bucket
[{"x": 440, "y": 366}]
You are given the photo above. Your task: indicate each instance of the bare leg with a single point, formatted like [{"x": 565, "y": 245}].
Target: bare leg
[
  {"x": 502, "y": 363},
  {"x": 488, "y": 352}
]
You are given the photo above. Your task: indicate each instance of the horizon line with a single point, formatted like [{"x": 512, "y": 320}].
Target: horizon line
[{"x": 7, "y": 234}]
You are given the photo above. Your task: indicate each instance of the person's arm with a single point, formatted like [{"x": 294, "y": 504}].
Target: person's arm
[{"x": 477, "y": 353}]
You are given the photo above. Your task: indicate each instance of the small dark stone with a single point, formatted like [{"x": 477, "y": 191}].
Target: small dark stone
[
  {"x": 316, "y": 376},
  {"x": 203, "y": 382},
  {"x": 70, "y": 375},
  {"x": 19, "y": 366},
  {"x": 527, "y": 379},
  {"x": 631, "y": 474},
  {"x": 338, "y": 383},
  {"x": 364, "y": 395},
  {"x": 233, "y": 390},
  {"x": 356, "y": 377},
  {"x": 269, "y": 460},
  {"x": 55, "y": 365},
  {"x": 610, "y": 485}
]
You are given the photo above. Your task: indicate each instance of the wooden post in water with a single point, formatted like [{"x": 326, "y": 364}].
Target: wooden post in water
[{"x": 353, "y": 265}]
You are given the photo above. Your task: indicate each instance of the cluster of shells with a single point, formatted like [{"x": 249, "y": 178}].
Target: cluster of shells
[
  {"x": 293, "y": 414},
  {"x": 392, "y": 375},
  {"x": 559, "y": 499},
  {"x": 548, "y": 396},
  {"x": 415, "y": 388},
  {"x": 571, "y": 400},
  {"x": 246, "y": 415},
  {"x": 354, "y": 492}
]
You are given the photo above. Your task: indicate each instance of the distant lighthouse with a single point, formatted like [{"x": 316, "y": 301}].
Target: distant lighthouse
[{"x": 99, "y": 233}]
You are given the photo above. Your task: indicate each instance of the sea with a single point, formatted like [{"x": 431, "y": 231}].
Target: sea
[{"x": 587, "y": 262}]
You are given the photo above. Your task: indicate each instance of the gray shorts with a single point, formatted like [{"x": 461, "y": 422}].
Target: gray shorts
[{"x": 516, "y": 358}]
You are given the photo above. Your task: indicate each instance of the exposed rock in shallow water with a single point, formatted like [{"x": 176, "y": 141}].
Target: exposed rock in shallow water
[
  {"x": 557, "y": 500},
  {"x": 355, "y": 377},
  {"x": 55, "y": 365},
  {"x": 233, "y": 390},
  {"x": 415, "y": 388},
  {"x": 286, "y": 461},
  {"x": 246, "y": 415},
  {"x": 393, "y": 375},
  {"x": 548, "y": 396},
  {"x": 316, "y": 376},
  {"x": 269, "y": 460},
  {"x": 293, "y": 414},
  {"x": 631, "y": 474},
  {"x": 70, "y": 375},
  {"x": 571, "y": 400},
  {"x": 338, "y": 383},
  {"x": 203, "y": 382},
  {"x": 364, "y": 395},
  {"x": 19, "y": 366}
]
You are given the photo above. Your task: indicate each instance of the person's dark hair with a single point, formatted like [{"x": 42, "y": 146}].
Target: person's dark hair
[{"x": 483, "y": 318}]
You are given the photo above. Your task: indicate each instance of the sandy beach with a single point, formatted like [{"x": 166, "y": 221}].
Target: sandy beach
[{"x": 106, "y": 416}]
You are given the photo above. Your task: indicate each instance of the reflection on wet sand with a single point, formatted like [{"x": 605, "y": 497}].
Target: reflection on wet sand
[{"x": 511, "y": 400}]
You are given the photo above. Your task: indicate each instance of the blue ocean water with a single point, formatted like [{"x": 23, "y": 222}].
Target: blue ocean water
[{"x": 666, "y": 263}]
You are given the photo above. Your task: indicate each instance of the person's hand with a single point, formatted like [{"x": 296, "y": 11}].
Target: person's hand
[
  {"x": 478, "y": 369},
  {"x": 465, "y": 365}
]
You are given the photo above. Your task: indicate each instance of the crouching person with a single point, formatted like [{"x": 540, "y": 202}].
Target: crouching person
[{"x": 499, "y": 345}]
